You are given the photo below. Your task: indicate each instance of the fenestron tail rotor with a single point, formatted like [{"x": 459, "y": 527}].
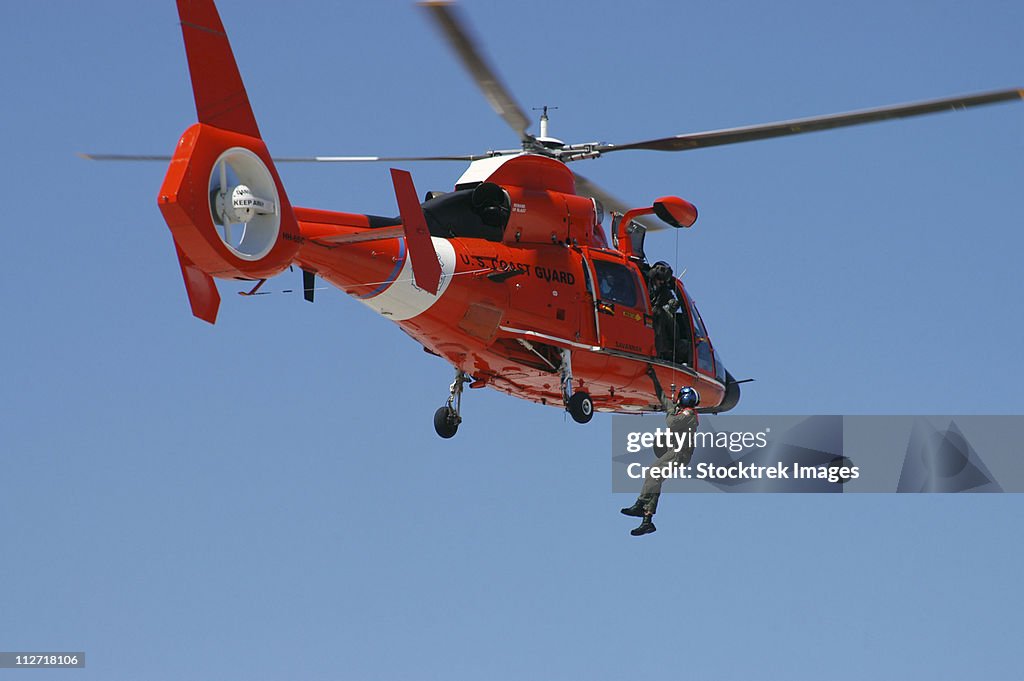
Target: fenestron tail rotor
[
  {"x": 221, "y": 198},
  {"x": 244, "y": 203}
]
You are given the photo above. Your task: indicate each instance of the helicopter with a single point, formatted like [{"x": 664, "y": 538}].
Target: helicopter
[{"x": 510, "y": 277}]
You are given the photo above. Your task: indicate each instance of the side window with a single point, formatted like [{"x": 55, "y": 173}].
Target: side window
[
  {"x": 616, "y": 283},
  {"x": 698, "y": 323},
  {"x": 704, "y": 361}
]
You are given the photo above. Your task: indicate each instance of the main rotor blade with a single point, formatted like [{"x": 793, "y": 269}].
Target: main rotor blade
[
  {"x": 304, "y": 159},
  {"x": 585, "y": 187},
  {"x": 801, "y": 125},
  {"x": 375, "y": 159},
  {"x": 122, "y": 157},
  {"x": 457, "y": 33}
]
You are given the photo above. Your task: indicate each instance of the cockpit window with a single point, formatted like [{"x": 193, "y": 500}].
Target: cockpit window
[
  {"x": 480, "y": 213},
  {"x": 719, "y": 368},
  {"x": 616, "y": 283},
  {"x": 704, "y": 360}
]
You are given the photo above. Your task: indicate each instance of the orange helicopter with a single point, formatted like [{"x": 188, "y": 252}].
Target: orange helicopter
[{"x": 510, "y": 277}]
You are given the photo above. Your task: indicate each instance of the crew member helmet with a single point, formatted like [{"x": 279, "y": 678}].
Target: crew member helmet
[
  {"x": 688, "y": 397},
  {"x": 661, "y": 271}
]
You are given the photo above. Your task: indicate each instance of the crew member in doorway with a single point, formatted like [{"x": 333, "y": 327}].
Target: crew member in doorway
[
  {"x": 681, "y": 418},
  {"x": 663, "y": 307}
]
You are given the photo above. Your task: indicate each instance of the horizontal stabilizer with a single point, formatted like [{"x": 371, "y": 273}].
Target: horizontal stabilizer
[{"x": 361, "y": 236}]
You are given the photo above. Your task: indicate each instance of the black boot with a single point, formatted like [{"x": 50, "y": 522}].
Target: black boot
[
  {"x": 636, "y": 510},
  {"x": 646, "y": 527}
]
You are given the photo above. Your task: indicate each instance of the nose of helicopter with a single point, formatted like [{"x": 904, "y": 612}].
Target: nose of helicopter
[{"x": 732, "y": 394}]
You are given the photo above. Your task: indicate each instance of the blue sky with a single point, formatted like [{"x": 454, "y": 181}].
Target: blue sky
[{"x": 266, "y": 498}]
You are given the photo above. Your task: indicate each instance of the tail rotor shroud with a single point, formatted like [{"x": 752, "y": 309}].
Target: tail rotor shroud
[
  {"x": 244, "y": 203},
  {"x": 222, "y": 197}
]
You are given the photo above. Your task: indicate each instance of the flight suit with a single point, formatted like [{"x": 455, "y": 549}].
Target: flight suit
[
  {"x": 678, "y": 421},
  {"x": 662, "y": 309}
]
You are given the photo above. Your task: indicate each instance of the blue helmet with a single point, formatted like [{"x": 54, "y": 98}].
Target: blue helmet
[{"x": 688, "y": 397}]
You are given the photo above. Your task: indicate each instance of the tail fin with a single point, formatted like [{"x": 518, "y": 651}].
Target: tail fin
[
  {"x": 221, "y": 100},
  {"x": 426, "y": 269},
  {"x": 222, "y": 197}
]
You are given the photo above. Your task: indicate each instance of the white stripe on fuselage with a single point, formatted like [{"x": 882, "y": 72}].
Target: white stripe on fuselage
[{"x": 403, "y": 299}]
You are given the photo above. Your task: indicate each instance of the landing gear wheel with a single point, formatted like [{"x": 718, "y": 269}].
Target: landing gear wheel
[
  {"x": 446, "y": 422},
  {"x": 448, "y": 417},
  {"x": 581, "y": 407}
]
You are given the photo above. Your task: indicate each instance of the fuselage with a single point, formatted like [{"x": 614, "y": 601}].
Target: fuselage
[{"x": 509, "y": 305}]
